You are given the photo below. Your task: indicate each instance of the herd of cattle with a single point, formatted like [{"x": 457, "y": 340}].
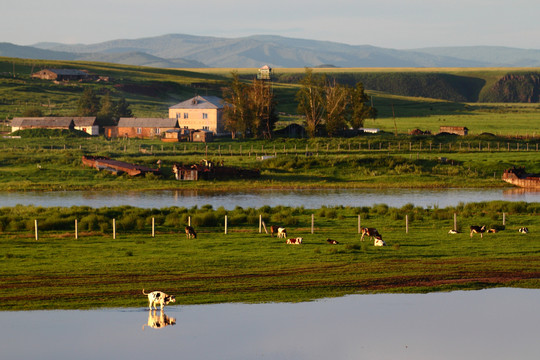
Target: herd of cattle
[
  {"x": 482, "y": 229},
  {"x": 372, "y": 233}
]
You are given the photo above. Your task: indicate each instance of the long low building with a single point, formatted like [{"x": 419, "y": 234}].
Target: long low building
[
  {"x": 87, "y": 124},
  {"x": 141, "y": 127}
]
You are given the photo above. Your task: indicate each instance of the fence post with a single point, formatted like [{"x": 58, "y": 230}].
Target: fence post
[
  {"x": 76, "y": 230},
  {"x": 359, "y": 225},
  {"x": 36, "y": 229},
  {"x": 455, "y": 222},
  {"x": 406, "y": 224},
  {"x": 189, "y": 220},
  {"x": 260, "y": 223},
  {"x": 225, "y": 224},
  {"x": 153, "y": 228},
  {"x": 114, "y": 228},
  {"x": 312, "y": 222}
]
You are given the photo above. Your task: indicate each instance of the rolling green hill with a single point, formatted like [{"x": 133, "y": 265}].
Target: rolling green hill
[{"x": 150, "y": 91}]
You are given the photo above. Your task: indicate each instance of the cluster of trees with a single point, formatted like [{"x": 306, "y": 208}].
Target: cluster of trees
[
  {"x": 330, "y": 107},
  {"x": 104, "y": 108},
  {"x": 250, "y": 109}
]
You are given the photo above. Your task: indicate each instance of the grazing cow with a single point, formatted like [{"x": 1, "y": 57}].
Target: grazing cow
[
  {"x": 158, "y": 298},
  {"x": 156, "y": 321},
  {"x": 332, "y": 242},
  {"x": 378, "y": 241},
  {"x": 492, "y": 230},
  {"x": 190, "y": 232},
  {"x": 523, "y": 230},
  {"x": 282, "y": 233},
  {"x": 453, "y": 232},
  {"x": 273, "y": 230},
  {"x": 478, "y": 230},
  {"x": 295, "y": 241},
  {"x": 371, "y": 232}
]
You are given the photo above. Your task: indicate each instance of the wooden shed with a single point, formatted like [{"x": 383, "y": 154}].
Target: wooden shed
[
  {"x": 202, "y": 136},
  {"x": 458, "y": 130},
  {"x": 176, "y": 135},
  {"x": 63, "y": 75}
]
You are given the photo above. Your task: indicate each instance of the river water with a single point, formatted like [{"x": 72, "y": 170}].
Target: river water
[
  {"x": 310, "y": 199},
  {"x": 495, "y": 324}
]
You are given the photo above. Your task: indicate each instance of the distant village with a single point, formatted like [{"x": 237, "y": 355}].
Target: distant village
[{"x": 198, "y": 119}]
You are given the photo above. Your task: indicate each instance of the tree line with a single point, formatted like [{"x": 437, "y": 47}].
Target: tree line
[{"x": 328, "y": 107}]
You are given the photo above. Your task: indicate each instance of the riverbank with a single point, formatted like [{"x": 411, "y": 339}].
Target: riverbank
[{"x": 99, "y": 269}]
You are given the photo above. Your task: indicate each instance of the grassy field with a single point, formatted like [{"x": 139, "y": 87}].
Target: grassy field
[
  {"x": 360, "y": 162},
  {"x": 59, "y": 272}
]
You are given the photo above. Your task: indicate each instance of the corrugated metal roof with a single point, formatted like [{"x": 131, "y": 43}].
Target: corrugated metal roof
[
  {"x": 148, "y": 122},
  {"x": 42, "y": 122},
  {"x": 200, "y": 102},
  {"x": 84, "y": 121},
  {"x": 78, "y": 121}
]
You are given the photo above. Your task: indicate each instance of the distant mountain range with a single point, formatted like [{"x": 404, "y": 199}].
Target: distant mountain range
[{"x": 188, "y": 51}]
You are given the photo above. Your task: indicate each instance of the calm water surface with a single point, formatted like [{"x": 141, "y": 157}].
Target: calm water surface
[
  {"x": 488, "y": 324},
  {"x": 310, "y": 199}
]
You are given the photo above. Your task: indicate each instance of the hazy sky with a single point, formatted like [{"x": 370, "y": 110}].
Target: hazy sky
[{"x": 398, "y": 24}]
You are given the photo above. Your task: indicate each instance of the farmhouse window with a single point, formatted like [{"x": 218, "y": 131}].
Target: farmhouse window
[
  {"x": 139, "y": 130},
  {"x": 158, "y": 131},
  {"x": 205, "y": 116},
  {"x": 185, "y": 115}
]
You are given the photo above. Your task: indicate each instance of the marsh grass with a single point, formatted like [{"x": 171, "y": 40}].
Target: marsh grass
[{"x": 244, "y": 266}]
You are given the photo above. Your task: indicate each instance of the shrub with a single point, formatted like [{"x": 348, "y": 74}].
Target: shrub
[
  {"x": 208, "y": 219},
  {"x": 57, "y": 223}
]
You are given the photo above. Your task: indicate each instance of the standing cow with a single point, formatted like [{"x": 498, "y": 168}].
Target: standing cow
[
  {"x": 371, "y": 232},
  {"x": 190, "y": 232},
  {"x": 478, "y": 230}
]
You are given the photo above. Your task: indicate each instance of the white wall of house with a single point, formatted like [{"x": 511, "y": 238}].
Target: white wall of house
[{"x": 92, "y": 130}]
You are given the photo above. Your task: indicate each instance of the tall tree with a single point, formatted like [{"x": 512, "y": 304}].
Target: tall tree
[
  {"x": 310, "y": 99},
  {"x": 237, "y": 111},
  {"x": 360, "y": 108},
  {"x": 89, "y": 104},
  {"x": 122, "y": 109},
  {"x": 337, "y": 103},
  {"x": 107, "y": 108},
  {"x": 263, "y": 108}
]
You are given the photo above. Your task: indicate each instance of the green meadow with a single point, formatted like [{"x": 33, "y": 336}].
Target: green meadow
[{"x": 57, "y": 271}]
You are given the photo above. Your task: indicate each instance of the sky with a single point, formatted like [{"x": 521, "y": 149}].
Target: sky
[{"x": 396, "y": 24}]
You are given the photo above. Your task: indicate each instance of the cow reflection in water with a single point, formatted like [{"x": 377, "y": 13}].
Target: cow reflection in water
[{"x": 158, "y": 320}]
